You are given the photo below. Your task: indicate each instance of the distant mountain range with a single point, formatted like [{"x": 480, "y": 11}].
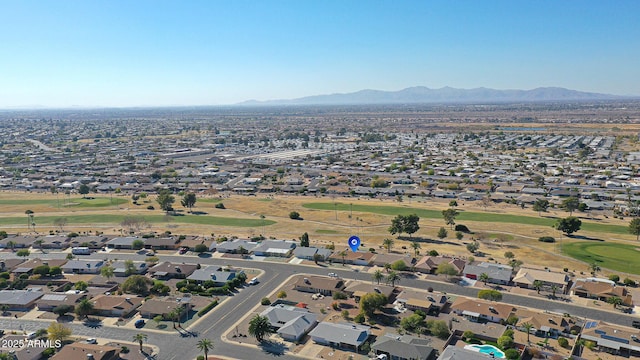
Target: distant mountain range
[{"x": 425, "y": 95}]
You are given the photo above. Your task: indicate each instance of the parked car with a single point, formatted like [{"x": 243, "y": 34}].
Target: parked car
[
  {"x": 636, "y": 324},
  {"x": 183, "y": 250},
  {"x": 254, "y": 281},
  {"x": 139, "y": 323},
  {"x": 91, "y": 341}
]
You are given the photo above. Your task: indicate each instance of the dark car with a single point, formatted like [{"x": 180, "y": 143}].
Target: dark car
[
  {"x": 636, "y": 324},
  {"x": 139, "y": 323}
]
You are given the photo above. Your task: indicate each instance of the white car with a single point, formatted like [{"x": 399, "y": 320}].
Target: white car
[
  {"x": 254, "y": 281},
  {"x": 333, "y": 274},
  {"x": 92, "y": 341}
]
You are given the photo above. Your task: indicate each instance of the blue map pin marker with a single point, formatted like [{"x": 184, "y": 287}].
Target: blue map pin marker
[{"x": 354, "y": 243}]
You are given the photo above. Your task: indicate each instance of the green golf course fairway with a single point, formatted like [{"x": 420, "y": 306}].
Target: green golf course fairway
[
  {"x": 613, "y": 256},
  {"x": 65, "y": 202}
]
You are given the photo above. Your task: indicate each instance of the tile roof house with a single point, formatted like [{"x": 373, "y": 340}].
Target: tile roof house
[
  {"x": 169, "y": 270},
  {"x": 166, "y": 243},
  {"x": 28, "y": 266},
  {"x": 53, "y": 242},
  {"x": 290, "y": 322},
  {"x": 319, "y": 285},
  {"x": 49, "y": 301},
  {"x": 526, "y": 276},
  {"x": 163, "y": 306},
  {"x": 213, "y": 273},
  {"x": 404, "y": 347},
  {"x": 547, "y": 323},
  {"x": 344, "y": 336},
  {"x": 116, "y": 305},
  {"x": 429, "y": 264},
  {"x": 80, "y": 351},
  {"x": 480, "y": 310},
  {"x": 601, "y": 290},
  {"x": 355, "y": 258},
  {"x": 359, "y": 289},
  {"x": 18, "y": 241},
  {"x": 429, "y": 302},
  {"x": 382, "y": 259},
  {"x": 498, "y": 273},
  {"x": 612, "y": 339}
]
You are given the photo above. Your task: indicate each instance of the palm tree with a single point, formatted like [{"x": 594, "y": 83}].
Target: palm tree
[
  {"x": 392, "y": 278},
  {"x": 387, "y": 267},
  {"x": 107, "y": 272},
  {"x": 39, "y": 242},
  {"x": 554, "y": 289},
  {"x": 484, "y": 277},
  {"x": 259, "y": 327},
  {"x": 615, "y": 301},
  {"x": 140, "y": 338},
  {"x": 415, "y": 246},
  {"x": 173, "y": 315},
  {"x": 343, "y": 254},
  {"x": 537, "y": 284},
  {"x": 29, "y": 214},
  {"x": 595, "y": 268},
  {"x": 84, "y": 308},
  {"x": 205, "y": 345},
  {"x": 388, "y": 243},
  {"x": 377, "y": 276},
  {"x": 527, "y": 326}
]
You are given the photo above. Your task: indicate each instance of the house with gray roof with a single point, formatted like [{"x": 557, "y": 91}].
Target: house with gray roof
[
  {"x": 290, "y": 322},
  {"x": 120, "y": 268},
  {"x": 344, "y": 336},
  {"x": 280, "y": 248},
  {"x": 82, "y": 266},
  {"x": 213, "y": 273},
  {"x": 457, "y": 353},
  {"x": 122, "y": 242},
  {"x": 233, "y": 247},
  {"x": 404, "y": 347},
  {"x": 308, "y": 253},
  {"x": 20, "y": 299},
  {"x": 498, "y": 273}
]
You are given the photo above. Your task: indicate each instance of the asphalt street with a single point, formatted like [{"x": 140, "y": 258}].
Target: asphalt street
[{"x": 224, "y": 316}]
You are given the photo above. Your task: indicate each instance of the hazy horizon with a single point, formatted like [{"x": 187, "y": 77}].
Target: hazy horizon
[{"x": 209, "y": 53}]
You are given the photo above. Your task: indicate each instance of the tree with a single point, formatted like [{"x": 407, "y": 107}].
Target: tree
[
  {"x": 392, "y": 277},
  {"x": 505, "y": 342},
  {"x": 438, "y": 328},
  {"x": 84, "y": 308},
  {"x": 137, "y": 244},
  {"x": 282, "y": 294},
  {"x": 388, "y": 243},
  {"x": 527, "y": 327},
  {"x": 634, "y": 228},
  {"x": 416, "y": 247},
  {"x": 140, "y": 338},
  {"x": 317, "y": 257},
  {"x": 29, "y": 214},
  {"x": 484, "y": 277},
  {"x": 23, "y": 253},
  {"x": 42, "y": 270},
  {"x": 129, "y": 268},
  {"x": 371, "y": 302},
  {"x": 304, "y": 240},
  {"x": 615, "y": 301},
  {"x": 83, "y": 190},
  {"x": 399, "y": 265},
  {"x": 488, "y": 294},
  {"x": 537, "y": 284},
  {"x": 459, "y": 235},
  {"x": 568, "y": 225},
  {"x": 541, "y": 205},
  {"x": 570, "y": 204},
  {"x": 62, "y": 310},
  {"x": 165, "y": 200},
  {"x": 442, "y": 233},
  {"x": 81, "y": 285},
  {"x": 595, "y": 267},
  {"x": 259, "y": 327},
  {"x": 58, "y": 332},
  {"x": 107, "y": 272},
  {"x": 294, "y": 215},
  {"x": 453, "y": 203},
  {"x": 509, "y": 255},
  {"x": 472, "y": 247},
  {"x": 205, "y": 345},
  {"x": 377, "y": 276},
  {"x": 188, "y": 201},
  {"x": 410, "y": 224},
  {"x": 449, "y": 216},
  {"x": 554, "y": 289},
  {"x": 412, "y": 322},
  {"x": 11, "y": 245},
  {"x": 396, "y": 226},
  {"x": 343, "y": 254},
  {"x": 447, "y": 270},
  {"x": 136, "y": 284},
  {"x": 202, "y": 248}
]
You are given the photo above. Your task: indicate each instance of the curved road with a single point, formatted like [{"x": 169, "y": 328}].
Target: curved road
[{"x": 224, "y": 316}]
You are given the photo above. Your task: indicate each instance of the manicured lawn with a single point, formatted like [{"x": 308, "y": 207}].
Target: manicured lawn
[
  {"x": 463, "y": 216},
  {"x": 614, "y": 256},
  {"x": 65, "y": 202},
  {"x": 116, "y": 219}
]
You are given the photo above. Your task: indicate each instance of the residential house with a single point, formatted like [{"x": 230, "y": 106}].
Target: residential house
[
  {"x": 498, "y": 273},
  {"x": 116, "y": 305},
  {"x": 351, "y": 257},
  {"x": 28, "y": 266},
  {"x": 481, "y": 310},
  {"x": 526, "y": 277},
  {"x": 53, "y": 242},
  {"x": 191, "y": 242},
  {"x": 612, "y": 339},
  {"x": 17, "y": 241},
  {"x": 404, "y": 347},
  {"x": 546, "y": 324},
  {"x": 429, "y": 264},
  {"x": 84, "y": 351},
  {"x": 123, "y": 242},
  {"x": 601, "y": 289},
  {"x": 308, "y": 253},
  {"x": 319, "y": 285},
  {"x": 169, "y": 270},
  {"x": 120, "y": 268},
  {"x": 235, "y": 246},
  {"x": 359, "y": 289},
  {"x": 343, "y": 336},
  {"x": 10, "y": 264},
  {"x": 290, "y": 322},
  {"x": 430, "y": 302},
  {"x": 48, "y": 302},
  {"x": 212, "y": 273},
  {"x": 163, "y": 306},
  {"x": 82, "y": 266},
  {"x": 165, "y": 243},
  {"x": 279, "y": 248},
  {"x": 20, "y": 299},
  {"x": 452, "y": 352},
  {"x": 90, "y": 241}
]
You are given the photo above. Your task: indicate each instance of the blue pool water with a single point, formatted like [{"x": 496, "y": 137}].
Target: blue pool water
[{"x": 487, "y": 349}]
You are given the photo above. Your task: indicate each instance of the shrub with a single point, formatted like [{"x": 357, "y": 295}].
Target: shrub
[
  {"x": 200, "y": 248},
  {"x": 220, "y": 206},
  {"x": 294, "y": 215},
  {"x": 200, "y": 357},
  {"x": 207, "y": 308},
  {"x": 265, "y": 301},
  {"x": 468, "y": 334},
  {"x": 512, "y": 354},
  {"x": 614, "y": 277},
  {"x": 563, "y": 342},
  {"x": 433, "y": 253},
  {"x": 547, "y": 239},
  {"x": 47, "y": 353},
  {"x": 462, "y": 228},
  {"x": 505, "y": 342},
  {"x": 489, "y": 294},
  {"x": 335, "y": 306},
  {"x": 339, "y": 295},
  {"x": 626, "y": 281},
  {"x": 150, "y": 207},
  {"x": 359, "y": 318}
]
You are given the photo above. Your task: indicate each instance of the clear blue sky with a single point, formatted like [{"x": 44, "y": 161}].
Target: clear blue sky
[{"x": 63, "y": 53}]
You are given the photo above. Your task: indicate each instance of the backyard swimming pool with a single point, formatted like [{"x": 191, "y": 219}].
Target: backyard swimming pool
[{"x": 487, "y": 349}]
